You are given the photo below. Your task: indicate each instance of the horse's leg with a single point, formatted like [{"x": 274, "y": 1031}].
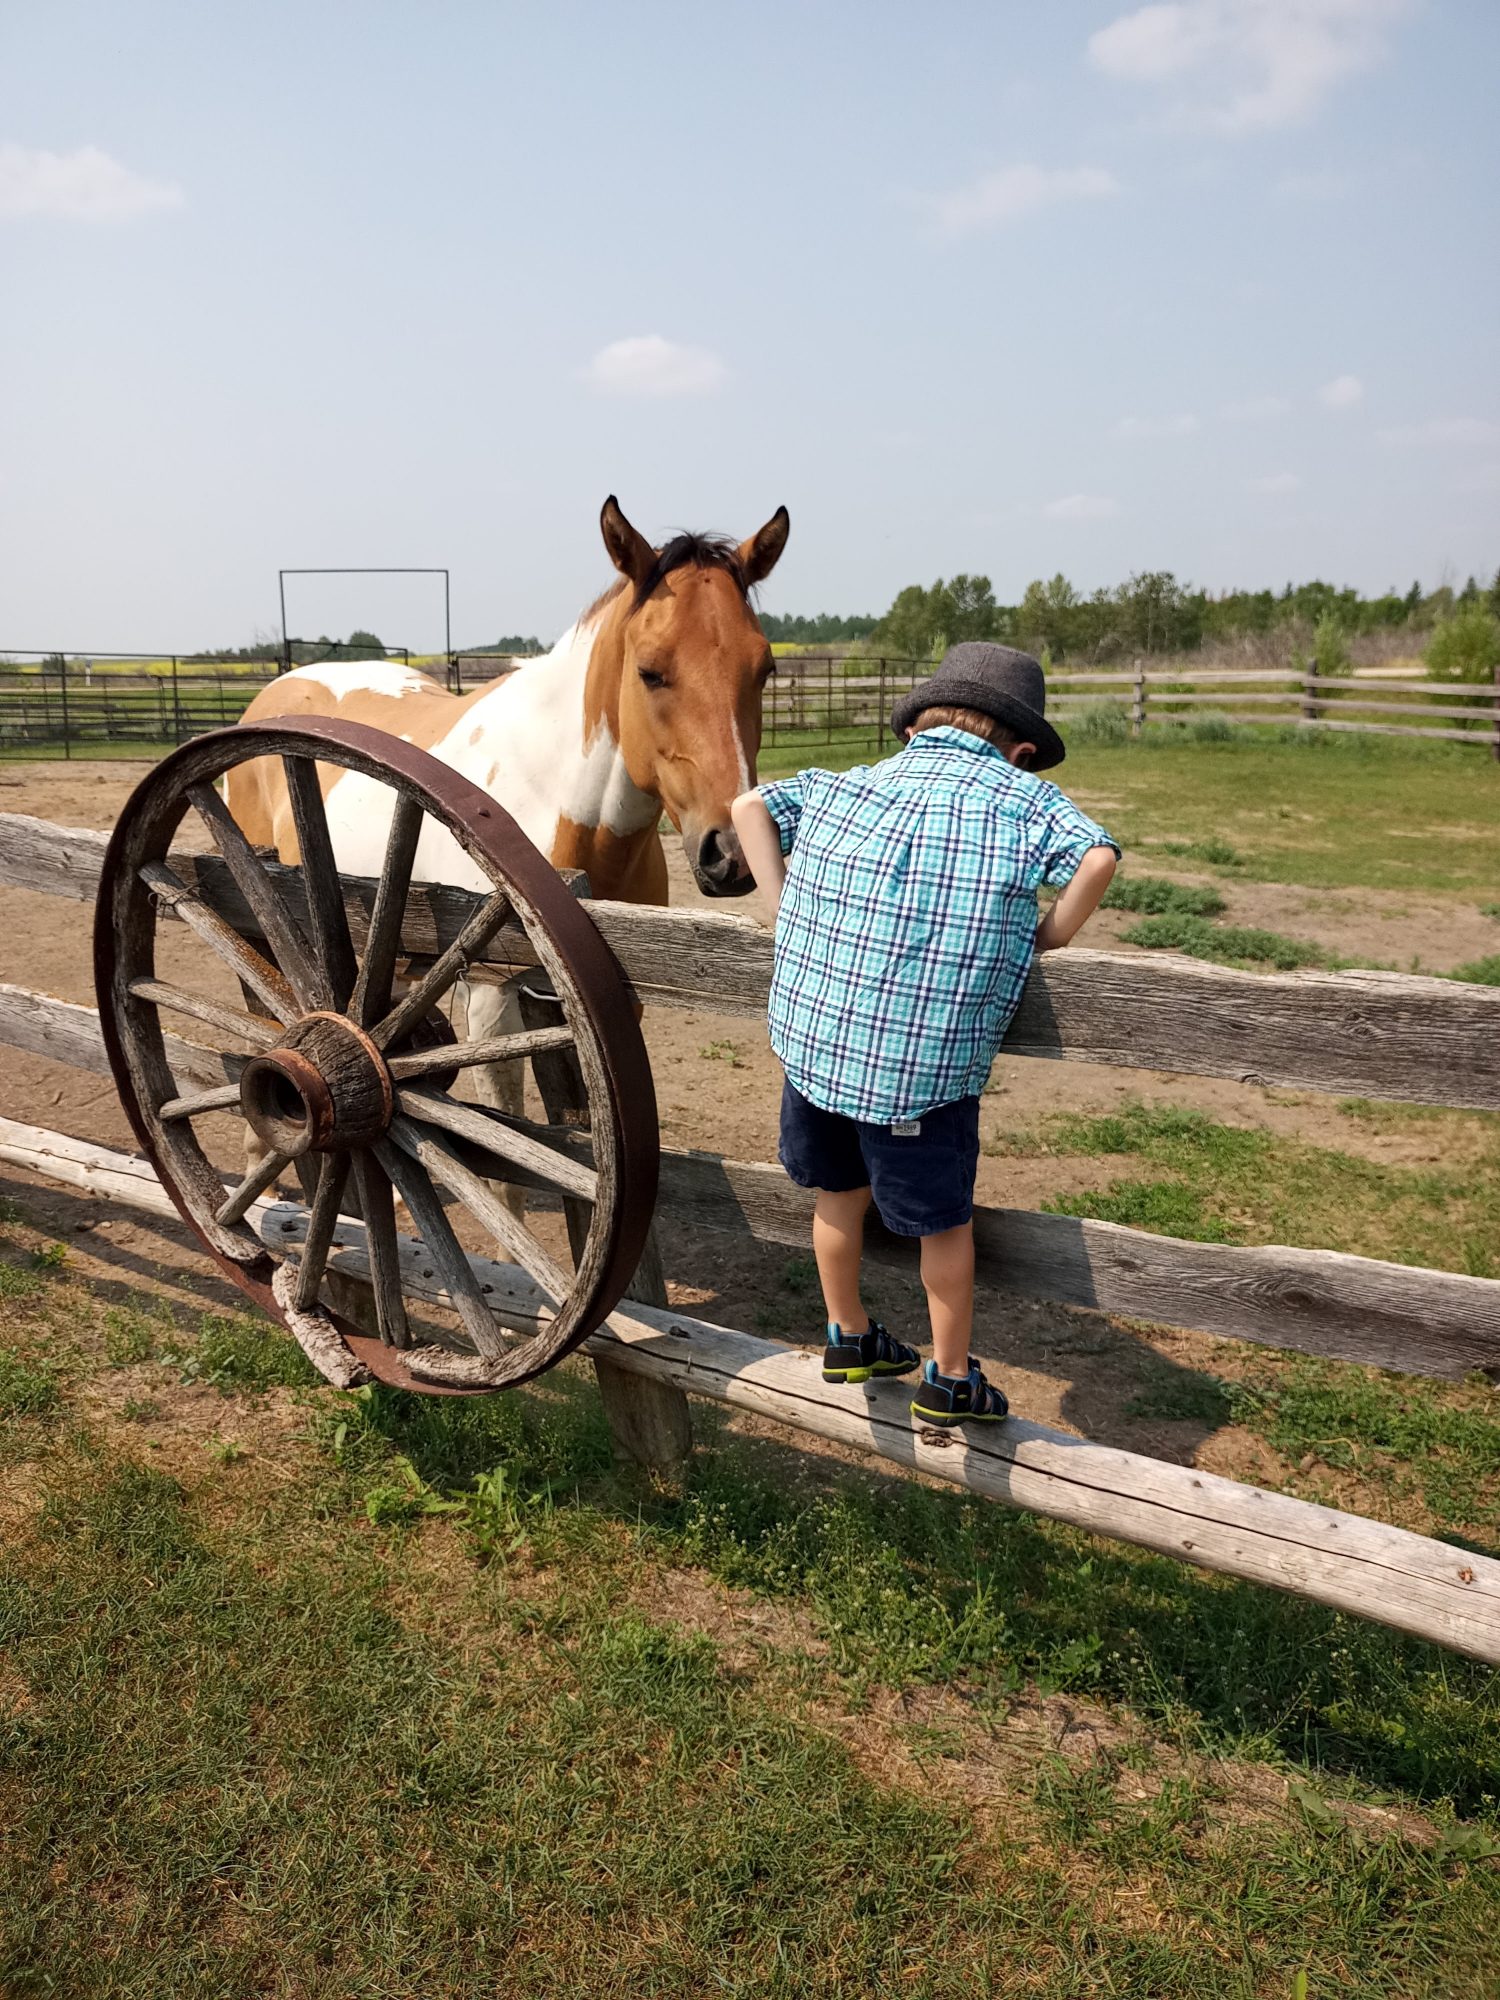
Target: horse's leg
[{"x": 496, "y": 1010}]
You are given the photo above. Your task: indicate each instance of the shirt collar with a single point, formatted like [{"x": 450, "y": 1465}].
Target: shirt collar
[{"x": 951, "y": 738}]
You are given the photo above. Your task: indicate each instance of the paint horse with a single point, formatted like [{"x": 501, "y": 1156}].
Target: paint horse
[{"x": 650, "y": 703}]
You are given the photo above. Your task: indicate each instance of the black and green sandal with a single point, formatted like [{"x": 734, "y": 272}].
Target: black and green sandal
[
  {"x": 945, "y": 1400},
  {"x": 865, "y": 1355}
]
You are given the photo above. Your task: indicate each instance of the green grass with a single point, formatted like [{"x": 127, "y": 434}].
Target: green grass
[
  {"x": 1152, "y": 895},
  {"x": 1217, "y": 1183},
  {"x": 1226, "y": 944},
  {"x": 382, "y": 1712},
  {"x": 1481, "y": 971}
]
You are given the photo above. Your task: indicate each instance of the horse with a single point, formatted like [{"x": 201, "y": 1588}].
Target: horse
[{"x": 650, "y": 703}]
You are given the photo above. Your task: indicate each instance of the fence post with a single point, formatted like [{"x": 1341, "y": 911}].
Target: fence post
[
  {"x": 1495, "y": 745},
  {"x": 176, "y": 705},
  {"x": 1310, "y": 709},
  {"x": 63, "y": 683},
  {"x": 1138, "y": 701}
]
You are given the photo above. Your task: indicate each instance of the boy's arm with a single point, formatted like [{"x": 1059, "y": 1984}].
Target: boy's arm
[
  {"x": 760, "y": 840},
  {"x": 1077, "y": 902}
]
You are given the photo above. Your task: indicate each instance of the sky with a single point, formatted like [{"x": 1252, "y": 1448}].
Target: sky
[{"x": 1209, "y": 286}]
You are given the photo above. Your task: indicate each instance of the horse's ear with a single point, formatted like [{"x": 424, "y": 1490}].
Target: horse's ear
[
  {"x": 629, "y": 551},
  {"x": 762, "y": 552}
]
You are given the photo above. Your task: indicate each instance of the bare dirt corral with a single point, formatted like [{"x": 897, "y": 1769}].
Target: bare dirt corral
[{"x": 718, "y": 1087}]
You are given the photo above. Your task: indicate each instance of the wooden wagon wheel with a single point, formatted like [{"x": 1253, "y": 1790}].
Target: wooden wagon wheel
[{"x": 346, "y": 1075}]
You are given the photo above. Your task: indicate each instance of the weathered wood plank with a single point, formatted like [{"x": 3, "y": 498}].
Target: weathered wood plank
[
  {"x": 1363, "y": 1567},
  {"x": 1318, "y": 1302},
  {"x": 1371, "y": 1034}
]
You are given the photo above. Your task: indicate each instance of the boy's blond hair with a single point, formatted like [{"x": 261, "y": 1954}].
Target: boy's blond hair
[{"x": 974, "y": 720}]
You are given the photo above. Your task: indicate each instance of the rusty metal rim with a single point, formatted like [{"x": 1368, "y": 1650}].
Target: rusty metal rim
[{"x": 484, "y": 829}]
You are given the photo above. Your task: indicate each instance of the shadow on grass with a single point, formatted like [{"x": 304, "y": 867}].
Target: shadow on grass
[{"x": 909, "y": 1583}]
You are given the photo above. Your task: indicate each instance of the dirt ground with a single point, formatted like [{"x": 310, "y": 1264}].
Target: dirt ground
[{"x": 718, "y": 1088}]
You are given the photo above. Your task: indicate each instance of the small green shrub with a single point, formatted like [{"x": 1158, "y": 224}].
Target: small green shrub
[
  {"x": 1481, "y": 971},
  {"x": 1151, "y": 896},
  {"x": 1225, "y": 944},
  {"x": 1217, "y": 853},
  {"x": 1465, "y": 646},
  {"x": 1209, "y": 729},
  {"x": 1104, "y": 723},
  {"x": 1331, "y": 655}
]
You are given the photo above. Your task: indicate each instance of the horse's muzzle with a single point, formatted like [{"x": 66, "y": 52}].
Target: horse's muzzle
[{"x": 718, "y": 864}]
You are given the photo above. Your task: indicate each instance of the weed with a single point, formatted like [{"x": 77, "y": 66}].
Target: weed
[
  {"x": 245, "y": 1356},
  {"x": 131, "y": 1334},
  {"x": 1226, "y": 944},
  {"x": 140, "y": 1410},
  {"x": 726, "y": 1052},
  {"x": 52, "y": 1258},
  {"x": 1480, "y": 971},
  {"x": 1216, "y": 853},
  {"x": 226, "y": 1451},
  {"x": 10, "y": 1211},
  {"x": 1101, "y": 723},
  {"x": 1489, "y": 910},
  {"x": 1153, "y": 896},
  {"x": 18, "y": 1287},
  {"x": 25, "y": 1390},
  {"x": 799, "y": 1274}
]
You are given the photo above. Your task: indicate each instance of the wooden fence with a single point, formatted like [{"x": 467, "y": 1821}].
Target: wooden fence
[
  {"x": 847, "y": 699},
  {"x": 1371, "y": 1034}
]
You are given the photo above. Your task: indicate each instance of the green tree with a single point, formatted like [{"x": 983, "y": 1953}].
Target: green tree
[
  {"x": 1331, "y": 653},
  {"x": 362, "y": 646},
  {"x": 1047, "y": 615}
]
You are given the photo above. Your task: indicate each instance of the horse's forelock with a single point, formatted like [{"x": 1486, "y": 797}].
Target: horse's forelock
[{"x": 683, "y": 551}]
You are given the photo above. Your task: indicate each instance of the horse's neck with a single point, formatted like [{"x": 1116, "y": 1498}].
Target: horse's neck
[{"x": 557, "y": 767}]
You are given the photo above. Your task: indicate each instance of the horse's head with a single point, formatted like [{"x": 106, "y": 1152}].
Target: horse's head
[{"x": 692, "y": 664}]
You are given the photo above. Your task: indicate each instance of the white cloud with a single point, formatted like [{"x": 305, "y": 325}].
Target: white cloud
[
  {"x": 1342, "y": 393},
  {"x": 1081, "y": 507},
  {"x": 1254, "y": 64},
  {"x": 82, "y": 186},
  {"x": 1011, "y": 192},
  {"x": 1444, "y": 431},
  {"x": 1156, "y": 427},
  {"x": 1257, "y": 410},
  {"x": 1276, "y": 482},
  {"x": 647, "y": 365}
]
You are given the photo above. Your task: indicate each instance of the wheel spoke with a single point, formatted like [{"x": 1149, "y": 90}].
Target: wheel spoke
[
  {"x": 377, "y": 1207},
  {"x": 484, "y": 1205},
  {"x": 372, "y": 989},
  {"x": 321, "y": 1224},
  {"x": 320, "y": 880},
  {"x": 255, "y": 972},
  {"x": 464, "y": 1055},
  {"x": 444, "y": 970},
  {"x": 222, "y": 1098},
  {"x": 502, "y": 1137},
  {"x": 251, "y": 1188},
  {"x": 443, "y": 1247},
  {"x": 279, "y": 927},
  {"x": 249, "y": 1027}
]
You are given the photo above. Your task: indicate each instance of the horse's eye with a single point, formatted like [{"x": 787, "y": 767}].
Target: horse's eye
[{"x": 651, "y": 678}]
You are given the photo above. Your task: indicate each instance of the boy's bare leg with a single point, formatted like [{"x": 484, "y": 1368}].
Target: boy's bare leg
[
  {"x": 838, "y": 1243},
  {"x": 948, "y": 1275}
]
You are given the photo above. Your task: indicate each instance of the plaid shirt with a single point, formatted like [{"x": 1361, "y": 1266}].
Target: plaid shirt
[{"x": 908, "y": 920}]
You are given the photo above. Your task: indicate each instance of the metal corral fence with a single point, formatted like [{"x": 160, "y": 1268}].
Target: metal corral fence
[{"x": 52, "y": 704}]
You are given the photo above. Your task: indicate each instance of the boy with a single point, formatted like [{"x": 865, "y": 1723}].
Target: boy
[{"x": 906, "y": 921}]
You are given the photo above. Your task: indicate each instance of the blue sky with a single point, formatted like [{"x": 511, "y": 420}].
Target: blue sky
[{"x": 1210, "y": 286}]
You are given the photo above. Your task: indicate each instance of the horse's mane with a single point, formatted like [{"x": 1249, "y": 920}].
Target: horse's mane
[{"x": 683, "y": 551}]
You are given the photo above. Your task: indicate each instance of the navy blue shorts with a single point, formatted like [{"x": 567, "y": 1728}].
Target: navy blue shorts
[{"x": 922, "y": 1181}]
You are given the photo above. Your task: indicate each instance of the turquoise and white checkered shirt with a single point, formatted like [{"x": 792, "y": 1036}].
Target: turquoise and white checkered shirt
[{"x": 908, "y": 920}]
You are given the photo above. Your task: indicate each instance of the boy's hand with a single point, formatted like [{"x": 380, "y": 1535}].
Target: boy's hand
[
  {"x": 760, "y": 840},
  {"x": 1078, "y": 901}
]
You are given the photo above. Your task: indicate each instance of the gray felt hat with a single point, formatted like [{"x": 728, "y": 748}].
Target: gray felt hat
[{"x": 999, "y": 682}]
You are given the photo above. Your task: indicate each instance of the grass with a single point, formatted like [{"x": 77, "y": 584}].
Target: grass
[
  {"x": 1216, "y": 1183},
  {"x": 1480, "y": 971},
  {"x": 1226, "y": 944},
  {"x": 408, "y": 1706},
  {"x": 1152, "y": 895}
]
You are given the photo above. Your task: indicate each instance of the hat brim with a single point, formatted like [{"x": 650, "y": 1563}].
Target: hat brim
[{"x": 1007, "y": 709}]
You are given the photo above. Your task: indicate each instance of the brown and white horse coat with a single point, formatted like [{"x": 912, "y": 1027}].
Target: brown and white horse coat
[{"x": 651, "y": 702}]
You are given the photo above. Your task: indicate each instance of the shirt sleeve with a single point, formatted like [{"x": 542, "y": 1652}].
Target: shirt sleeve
[
  {"x": 1067, "y": 835},
  {"x": 783, "y": 801}
]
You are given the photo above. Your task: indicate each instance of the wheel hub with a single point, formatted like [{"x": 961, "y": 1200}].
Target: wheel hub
[{"x": 325, "y": 1089}]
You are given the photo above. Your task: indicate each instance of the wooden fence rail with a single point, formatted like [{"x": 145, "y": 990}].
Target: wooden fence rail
[{"x": 1373, "y": 1034}]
